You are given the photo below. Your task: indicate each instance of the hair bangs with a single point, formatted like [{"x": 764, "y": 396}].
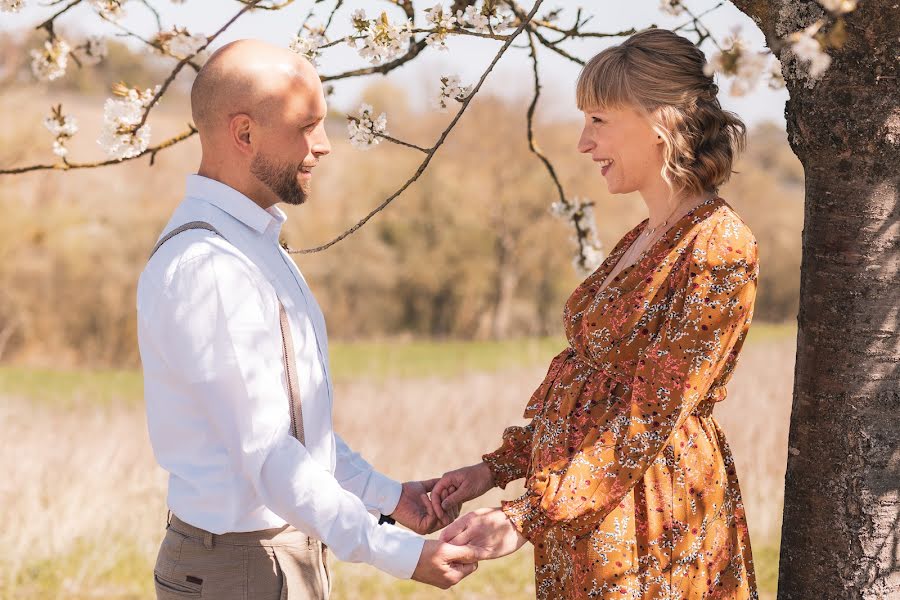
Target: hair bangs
[{"x": 603, "y": 84}]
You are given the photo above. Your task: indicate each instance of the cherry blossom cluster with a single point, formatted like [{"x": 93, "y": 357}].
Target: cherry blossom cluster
[
  {"x": 122, "y": 135},
  {"x": 580, "y": 214},
  {"x": 62, "y": 127},
  {"x": 366, "y": 129}
]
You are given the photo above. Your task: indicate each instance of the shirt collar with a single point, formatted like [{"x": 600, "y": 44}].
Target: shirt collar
[{"x": 263, "y": 221}]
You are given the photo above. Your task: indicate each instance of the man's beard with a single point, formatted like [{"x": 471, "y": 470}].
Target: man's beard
[{"x": 281, "y": 178}]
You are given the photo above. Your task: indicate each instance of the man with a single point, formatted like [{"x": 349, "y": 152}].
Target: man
[{"x": 236, "y": 371}]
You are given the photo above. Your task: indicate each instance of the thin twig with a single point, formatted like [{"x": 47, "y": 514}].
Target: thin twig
[
  {"x": 155, "y": 12},
  {"x": 156, "y": 46},
  {"x": 48, "y": 24},
  {"x": 249, "y": 4},
  {"x": 581, "y": 234},
  {"x": 68, "y": 166},
  {"x": 434, "y": 149}
]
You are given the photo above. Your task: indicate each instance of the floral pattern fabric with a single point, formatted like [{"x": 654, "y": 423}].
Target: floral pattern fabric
[{"x": 631, "y": 490}]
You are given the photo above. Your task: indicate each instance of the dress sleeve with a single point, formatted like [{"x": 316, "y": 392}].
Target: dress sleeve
[
  {"x": 709, "y": 311},
  {"x": 510, "y": 461}
]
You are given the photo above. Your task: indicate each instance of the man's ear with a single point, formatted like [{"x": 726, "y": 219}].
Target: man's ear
[{"x": 239, "y": 129}]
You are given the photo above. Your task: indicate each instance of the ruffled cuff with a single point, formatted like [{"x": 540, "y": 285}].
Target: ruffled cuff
[
  {"x": 502, "y": 468},
  {"x": 526, "y": 516}
]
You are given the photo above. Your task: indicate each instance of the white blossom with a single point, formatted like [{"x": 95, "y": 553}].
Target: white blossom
[
  {"x": 442, "y": 22},
  {"x": 364, "y": 129},
  {"x": 92, "y": 51},
  {"x": 475, "y": 18},
  {"x": 121, "y": 137},
  {"x": 451, "y": 89},
  {"x": 588, "y": 259},
  {"x": 809, "y": 50},
  {"x": 359, "y": 20},
  {"x": 181, "y": 43},
  {"x": 672, "y": 7},
  {"x": 580, "y": 214},
  {"x": 111, "y": 9},
  {"x": 62, "y": 127},
  {"x": 739, "y": 62},
  {"x": 379, "y": 41},
  {"x": 776, "y": 77},
  {"x": 50, "y": 63},
  {"x": 839, "y": 7},
  {"x": 11, "y": 6},
  {"x": 308, "y": 45}
]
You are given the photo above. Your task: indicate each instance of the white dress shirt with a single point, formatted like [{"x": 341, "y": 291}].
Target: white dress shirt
[{"x": 216, "y": 393}]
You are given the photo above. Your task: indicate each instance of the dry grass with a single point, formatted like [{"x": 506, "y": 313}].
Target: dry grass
[{"x": 84, "y": 499}]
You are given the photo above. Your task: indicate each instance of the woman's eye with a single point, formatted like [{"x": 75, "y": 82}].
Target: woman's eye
[{"x": 596, "y": 119}]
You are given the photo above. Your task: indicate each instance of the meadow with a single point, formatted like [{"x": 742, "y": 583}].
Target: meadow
[{"x": 84, "y": 500}]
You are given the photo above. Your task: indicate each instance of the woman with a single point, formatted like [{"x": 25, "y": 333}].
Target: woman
[{"x": 631, "y": 489}]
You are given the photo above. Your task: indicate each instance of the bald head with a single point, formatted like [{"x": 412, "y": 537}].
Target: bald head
[
  {"x": 260, "y": 111},
  {"x": 250, "y": 77}
]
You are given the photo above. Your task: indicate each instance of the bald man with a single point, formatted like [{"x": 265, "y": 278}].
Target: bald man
[{"x": 236, "y": 375}]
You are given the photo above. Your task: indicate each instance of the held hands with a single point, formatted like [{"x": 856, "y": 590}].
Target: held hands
[
  {"x": 444, "y": 565},
  {"x": 461, "y": 485},
  {"x": 488, "y": 532},
  {"x": 415, "y": 510}
]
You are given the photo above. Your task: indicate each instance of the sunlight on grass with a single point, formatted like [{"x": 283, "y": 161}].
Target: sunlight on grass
[{"x": 377, "y": 361}]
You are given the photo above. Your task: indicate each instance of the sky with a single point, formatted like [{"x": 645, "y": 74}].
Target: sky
[{"x": 467, "y": 57}]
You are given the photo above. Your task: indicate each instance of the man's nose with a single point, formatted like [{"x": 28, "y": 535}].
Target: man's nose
[{"x": 321, "y": 146}]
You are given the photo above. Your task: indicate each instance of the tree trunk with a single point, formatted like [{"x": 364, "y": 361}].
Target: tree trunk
[{"x": 841, "y": 528}]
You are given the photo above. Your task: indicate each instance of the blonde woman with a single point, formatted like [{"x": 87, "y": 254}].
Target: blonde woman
[{"x": 631, "y": 490}]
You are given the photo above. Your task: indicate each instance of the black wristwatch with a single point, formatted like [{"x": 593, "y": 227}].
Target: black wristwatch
[{"x": 386, "y": 519}]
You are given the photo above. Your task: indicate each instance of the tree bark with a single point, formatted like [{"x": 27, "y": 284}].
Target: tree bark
[{"x": 841, "y": 527}]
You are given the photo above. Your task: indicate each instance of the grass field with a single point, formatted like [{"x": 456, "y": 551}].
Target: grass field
[{"x": 85, "y": 502}]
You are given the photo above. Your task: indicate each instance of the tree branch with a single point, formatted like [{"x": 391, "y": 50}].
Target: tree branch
[{"x": 434, "y": 149}]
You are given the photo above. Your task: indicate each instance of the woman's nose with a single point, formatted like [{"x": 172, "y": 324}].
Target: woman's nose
[{"x": 585, "y": 143}]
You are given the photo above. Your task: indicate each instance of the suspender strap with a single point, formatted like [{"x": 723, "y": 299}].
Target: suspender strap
[
  {"x": 181, "y": 228},
  {"x": 287, "y": 342}
]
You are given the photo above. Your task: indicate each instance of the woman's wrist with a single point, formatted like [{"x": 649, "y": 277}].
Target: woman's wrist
[{"x": 486, "y": 474}]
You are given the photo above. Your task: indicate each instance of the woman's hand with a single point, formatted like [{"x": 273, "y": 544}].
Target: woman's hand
[
  {"x": 461, "y": 485},
  {"x": 487, "y": 530}
]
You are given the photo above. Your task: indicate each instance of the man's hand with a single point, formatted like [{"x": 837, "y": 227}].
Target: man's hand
[
  {"x": 459, "y": 486},
  {"x": 444, "y": 565},
  {"x": 487, "y": 530},
  {"x": 415, "y": 509}
]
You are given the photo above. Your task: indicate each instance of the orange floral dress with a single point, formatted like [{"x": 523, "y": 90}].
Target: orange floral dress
[{"x": 631, "y": 490}]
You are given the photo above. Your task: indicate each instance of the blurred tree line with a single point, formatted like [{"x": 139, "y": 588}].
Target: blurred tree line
[{"x": 470, "y": 251}]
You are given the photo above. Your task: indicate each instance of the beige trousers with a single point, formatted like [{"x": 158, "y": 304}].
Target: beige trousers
[{"x": 273, "y": 564}]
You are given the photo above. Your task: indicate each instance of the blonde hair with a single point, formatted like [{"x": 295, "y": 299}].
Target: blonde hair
[{"x": 660, "y": 74}]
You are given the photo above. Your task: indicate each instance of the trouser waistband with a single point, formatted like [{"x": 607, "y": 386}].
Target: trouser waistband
[{"x": 278, "y": 536}]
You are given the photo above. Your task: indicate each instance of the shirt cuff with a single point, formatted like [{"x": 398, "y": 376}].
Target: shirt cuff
[
  {"x": 382, "y": 493},
  {"x": 396, "y": 551}
]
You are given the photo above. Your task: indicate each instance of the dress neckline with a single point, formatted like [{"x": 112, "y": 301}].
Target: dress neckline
[{"x": 636, "y": 232}]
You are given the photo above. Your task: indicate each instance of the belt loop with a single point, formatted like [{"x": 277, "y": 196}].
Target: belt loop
[
  {"x": 207, "y": 540},
  {"x": 168, "y": 518}
]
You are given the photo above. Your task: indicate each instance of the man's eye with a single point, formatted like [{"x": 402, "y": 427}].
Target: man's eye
[{"x": 596, "y": 119}]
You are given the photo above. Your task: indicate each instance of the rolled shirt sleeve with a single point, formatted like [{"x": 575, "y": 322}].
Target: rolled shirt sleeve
[{"x": 219, "y": 334}]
